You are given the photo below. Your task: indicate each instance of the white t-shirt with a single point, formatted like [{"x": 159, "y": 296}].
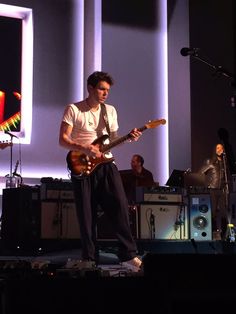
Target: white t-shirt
[{"x": 89, "y": 125}]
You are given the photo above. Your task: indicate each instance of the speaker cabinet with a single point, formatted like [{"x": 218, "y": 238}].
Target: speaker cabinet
[
  {"x": 200, "y": 217},
  {"x": 59, "y": 220},
  {"x": 20, "y": 216},
  {"x": 163, "y": 221}
]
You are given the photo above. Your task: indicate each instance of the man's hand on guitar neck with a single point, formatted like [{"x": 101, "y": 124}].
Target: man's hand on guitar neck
[{"x": 135, "y": 134}]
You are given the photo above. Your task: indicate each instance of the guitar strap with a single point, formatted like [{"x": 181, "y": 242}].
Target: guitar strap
[{"x": 105, "y": 118}]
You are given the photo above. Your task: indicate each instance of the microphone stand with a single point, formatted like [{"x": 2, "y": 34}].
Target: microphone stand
[
  {"x": 219, "y": 70},
  {"x": 11, "y": 155},
  {"x": 226, "y": 190},
  {"x": 152, "y": 225}
]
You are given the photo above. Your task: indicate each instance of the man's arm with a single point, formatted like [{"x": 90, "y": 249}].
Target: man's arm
[
  {"x": 66, "y": 141},
  {"x": 65, "y": 137}
]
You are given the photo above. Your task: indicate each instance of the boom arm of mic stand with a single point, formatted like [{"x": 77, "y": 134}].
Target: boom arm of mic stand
[{"x": 218, "y": 68}]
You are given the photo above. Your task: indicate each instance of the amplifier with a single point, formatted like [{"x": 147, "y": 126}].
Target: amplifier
[
  {"x": 159, "y": 197},
  {"x": 159, "y": 194},
  {"x": 59, "y": 220},
  {"x": 168, "y": 221},
  {"x": 20, "y": 216},
  {"x": 58, "y": 191}
]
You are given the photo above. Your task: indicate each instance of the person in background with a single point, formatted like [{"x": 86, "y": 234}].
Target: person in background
[
  {"x": 143, "y": 177},
  {"x": 137, "y": 176},
  {"x": 83, "y": 124},
  {"x": 217, "y": 180}
]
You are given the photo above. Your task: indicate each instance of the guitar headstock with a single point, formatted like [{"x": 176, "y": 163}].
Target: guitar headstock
[
  {"x": 154, "y": 123},
  {"x": 5, "y": 144}
]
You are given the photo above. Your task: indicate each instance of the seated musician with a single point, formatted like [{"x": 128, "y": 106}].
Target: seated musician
[{"x": 137, "y": 176}]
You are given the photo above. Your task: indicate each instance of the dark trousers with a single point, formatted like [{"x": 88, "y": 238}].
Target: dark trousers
[{"x": 104, "y": 188}]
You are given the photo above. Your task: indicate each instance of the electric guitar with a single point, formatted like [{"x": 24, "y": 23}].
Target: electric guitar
[
  {"x": 5, "y": 144},
  {"x": 83, "y": 165}
]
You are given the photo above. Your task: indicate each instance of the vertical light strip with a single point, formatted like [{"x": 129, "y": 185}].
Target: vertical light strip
[
  {"x": 27, "y": 77},
  {"x": 87, "y": 42},
  {"x": 78, "y": 50},
  {"x": 97, "y": 34},
  {"x": 162, "y": 140},
  {"x": 93, "y": 37}
]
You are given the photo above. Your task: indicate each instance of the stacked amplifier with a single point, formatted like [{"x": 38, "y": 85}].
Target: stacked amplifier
[
  {"x": 58, "y": 213},
  {"x": 162, "y": 213},
  {"x": 20, "y": 217}
]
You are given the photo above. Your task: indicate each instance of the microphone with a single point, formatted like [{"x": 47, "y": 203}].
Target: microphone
[
  {"x": 12, "y": 135},
  {"x": 189, "y": 51},
  {"x": 152, "y": 224},
  {"x": 152, "y": 220},
  {"x": 15, "y": 170}
]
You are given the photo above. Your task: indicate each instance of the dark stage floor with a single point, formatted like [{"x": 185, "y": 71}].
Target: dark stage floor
[
  {"x": 59, "y": 254},
  {"x": 179, "y": 276}
]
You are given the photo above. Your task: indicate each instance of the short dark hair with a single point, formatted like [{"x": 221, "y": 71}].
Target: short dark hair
[
  {"x": 139, "y": 158},
  {"x": 98, "y": 76}
]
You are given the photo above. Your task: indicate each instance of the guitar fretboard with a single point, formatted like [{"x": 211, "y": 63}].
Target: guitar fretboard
[{"x": 120, "y": 140}]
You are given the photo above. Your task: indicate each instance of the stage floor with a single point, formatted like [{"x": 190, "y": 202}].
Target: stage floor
[
  {"x": 57, "y": 253},
  {"x": 179, "y": 276}
]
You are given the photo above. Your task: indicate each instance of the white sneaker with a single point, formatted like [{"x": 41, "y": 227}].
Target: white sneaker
[{"x": 133, "y": 264}]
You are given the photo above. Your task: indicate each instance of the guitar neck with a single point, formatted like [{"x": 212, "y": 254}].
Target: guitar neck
[{"x": 120, "y": 140}]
